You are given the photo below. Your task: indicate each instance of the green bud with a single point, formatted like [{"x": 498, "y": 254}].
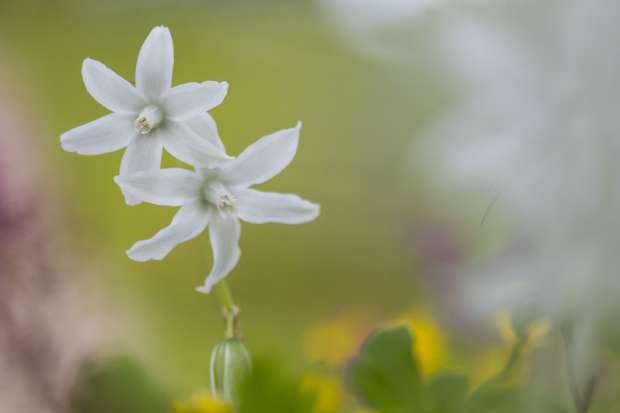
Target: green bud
[{"x": 230, "y": 365}]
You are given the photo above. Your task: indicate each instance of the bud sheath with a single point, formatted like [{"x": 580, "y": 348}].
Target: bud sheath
[{"x": 230, "y": 365}]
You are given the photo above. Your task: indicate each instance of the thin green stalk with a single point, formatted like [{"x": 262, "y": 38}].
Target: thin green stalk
[
  {"x": 570, "y": 368},
  {"x": 515, "y": 355},
  {"x": 583, "y": 400},
  {"x": 224, "y": 295},
  {"x": 588, "y": 394},
  {"x": 229, "y": 309}
]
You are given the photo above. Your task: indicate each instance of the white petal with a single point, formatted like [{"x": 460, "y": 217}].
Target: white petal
[
  {"x": 107, "y": 134},
  {"x": 224, "y": 232},
  {"x": 205, "y": 127},
  {"x": 188, "y": 223},
  {"x": 154, "y": 67},
  {"x": 109, "y": 89},
  {"x": 185, "y": 101},
  {"x": 262, "y": 160},
  {"x": 143, "y": 154},
  {"x": 185, "y": 145},
  {"x": 260, "y": 207},
  {"x": 170, "y": 187}
]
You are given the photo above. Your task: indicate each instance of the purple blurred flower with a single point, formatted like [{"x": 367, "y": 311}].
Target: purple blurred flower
[{"x": 46, "y": 333}]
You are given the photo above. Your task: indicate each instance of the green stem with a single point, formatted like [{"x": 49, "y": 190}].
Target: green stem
[
  {"x": 583, "y": 400},
  {"x": 229, "y": 309},
  {"x": 515, "y": 355},
  {"x": 224, "y": 295}
]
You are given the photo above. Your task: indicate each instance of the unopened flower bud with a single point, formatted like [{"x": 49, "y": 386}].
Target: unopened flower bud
[{"x": 230, "y": 365}]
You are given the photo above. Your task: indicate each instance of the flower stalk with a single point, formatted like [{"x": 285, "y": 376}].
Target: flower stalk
[
  {"x": 515, "y": 355},
  {"x": 582, "y": 399},
  {"x": 230, "y": 310},
  {"x": 231, "y": 362}
]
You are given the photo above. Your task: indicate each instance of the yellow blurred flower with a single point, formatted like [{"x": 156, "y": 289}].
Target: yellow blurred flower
[
  {"x": 429, "y": 343},
  {"x": 535, "y": 331},
  {"x": 488, "y": 364},
  {"x": 335, "y": 341},
  {"x": 327, "y": 390},
  {"x": 203, "y": 403}
]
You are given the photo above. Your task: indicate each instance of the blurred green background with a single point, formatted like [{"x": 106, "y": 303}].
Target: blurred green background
[{"x": 284, "y": 63}]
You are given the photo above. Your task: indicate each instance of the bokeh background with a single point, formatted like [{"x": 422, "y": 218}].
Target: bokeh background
[
  {"x": 285, "y": 62},
  {"x": 386, "y": 247}
]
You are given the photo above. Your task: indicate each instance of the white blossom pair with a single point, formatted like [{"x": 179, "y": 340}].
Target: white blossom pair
[
  {"x": 153, "y": 116},
  {"x": 150, "y": 116}
]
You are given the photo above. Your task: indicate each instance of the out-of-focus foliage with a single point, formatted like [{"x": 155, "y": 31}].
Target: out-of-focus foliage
[
  {"x": 120, "y": 385},
  {"x": 203, "y": 402},
  {"x": 429, "y": 346},
  {"x": 326, "y": 390},
  {"x": 386, "y": 377},
  {"x": 270, "y": 389}
]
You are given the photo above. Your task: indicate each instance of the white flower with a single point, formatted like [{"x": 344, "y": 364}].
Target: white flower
[
  {"x": 220, "y": 197},
  {"x": 150, "y": 116}
]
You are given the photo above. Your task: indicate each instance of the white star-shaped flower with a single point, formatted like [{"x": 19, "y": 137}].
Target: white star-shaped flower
[
  {"x": 150, "y": 116},
  {"x": 220, "y": 197}
]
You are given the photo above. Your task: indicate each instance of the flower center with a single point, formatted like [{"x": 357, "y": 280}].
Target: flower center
[
  {"x": 150, "y": 117},
  {"x": 216, "y": 194},
  {"x": 227, "y": 203}
]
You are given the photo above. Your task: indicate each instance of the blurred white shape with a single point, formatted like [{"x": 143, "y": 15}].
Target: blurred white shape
[
  {"x": 537, "y": 123},
  {"x": 378, "y": 28},
  {"x": 392, "y": 30},
  {"x": 374, "y": 14}
]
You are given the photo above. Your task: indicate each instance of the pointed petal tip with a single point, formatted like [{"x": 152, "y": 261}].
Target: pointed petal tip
[
  {"x": 90, "y": 63},
  {"x": 134, "y": 254},
  {"x": 204, "y": 289},
  {"x": 298, "y": 125},
  {"x": 160, "y": 28},
  {"x": 131, "y": 254},
  {"x": 86, "y": 64},
  {"x": 68, "y": 146},
  {"x": 223, "y": 83},
  {"x": 131, "y": 201},
  {"x": 64, "y": 143},
  {"x": 316, "y": 211}
]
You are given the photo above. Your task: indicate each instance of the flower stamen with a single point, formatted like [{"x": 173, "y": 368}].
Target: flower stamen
[
  {"x": 217, "y": 195},
  {"x": 227, "y": 203},
  {"x": 148, "y": 119}
]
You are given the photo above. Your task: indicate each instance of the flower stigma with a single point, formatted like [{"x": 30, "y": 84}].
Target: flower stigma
[
  {"x": 150, "y": 117},
  {"x": 217, "y": 195}
]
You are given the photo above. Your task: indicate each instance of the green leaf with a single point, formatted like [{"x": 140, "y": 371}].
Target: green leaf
[
  {"x": 269, "y": 389},
  {"x": 385, "y": 376},
  {"x": 495, "y": 396},
  {"x": 448, "y": 392},
  {"x": 120, "y": 385}
]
